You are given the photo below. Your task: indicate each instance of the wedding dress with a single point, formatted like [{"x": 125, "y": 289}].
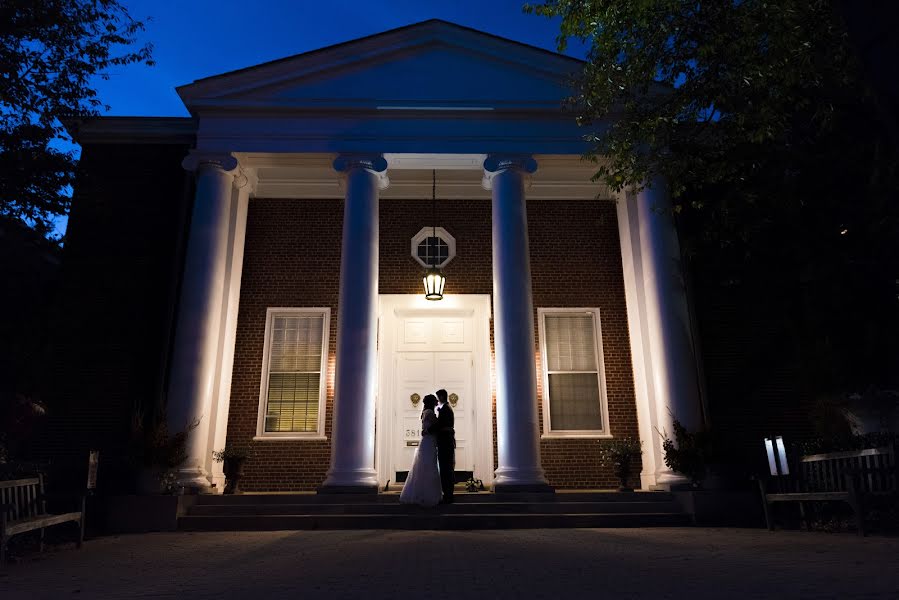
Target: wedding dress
[{"x": 422, "y": 485}]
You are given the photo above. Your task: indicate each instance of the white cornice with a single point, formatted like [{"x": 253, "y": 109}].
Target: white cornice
[
  {"x": 435, "y": 161},
  {"x": 311, "y": 176}
]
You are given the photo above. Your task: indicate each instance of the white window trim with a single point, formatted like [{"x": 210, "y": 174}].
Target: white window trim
[
  {"x": 261, "y": 434},
  {"x": 426, "y": 232},
  {"x": 548, "y": 433}
]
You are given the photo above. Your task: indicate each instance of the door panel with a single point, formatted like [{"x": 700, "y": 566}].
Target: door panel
[
  {"x": 423, "y": 373},
  {"x": 414, "y": 375},
  {"x": 435, "y": 333},
  {"x": 453, "y": 372},
  {"x": 450, "y": 333}
]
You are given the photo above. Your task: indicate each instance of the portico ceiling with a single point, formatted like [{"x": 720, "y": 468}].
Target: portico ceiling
[{"x": 303, "y": 175}]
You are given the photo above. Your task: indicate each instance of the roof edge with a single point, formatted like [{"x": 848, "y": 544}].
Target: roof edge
[
  {"x": 375, "y": 35},
  {"x": 144, "y": 130}
]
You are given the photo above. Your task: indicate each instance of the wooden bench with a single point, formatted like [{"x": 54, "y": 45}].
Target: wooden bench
[
  {"x": 848, "y": 477},
  {"x": 23, "y": 508}
]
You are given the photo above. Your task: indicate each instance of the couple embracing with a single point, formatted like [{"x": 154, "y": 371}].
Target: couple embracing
[{"x": 431, "y": 475}]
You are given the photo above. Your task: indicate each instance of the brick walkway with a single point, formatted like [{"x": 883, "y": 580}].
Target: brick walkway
[{"x": 516, "y": 564}]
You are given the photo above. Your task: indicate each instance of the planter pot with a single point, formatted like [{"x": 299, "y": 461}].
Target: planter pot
[
  {"x": 233, "y": 468},
  {"x": 622, "y": 472}
]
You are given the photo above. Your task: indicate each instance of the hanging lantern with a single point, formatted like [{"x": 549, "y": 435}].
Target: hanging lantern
[{"x": 433, "y": 280}]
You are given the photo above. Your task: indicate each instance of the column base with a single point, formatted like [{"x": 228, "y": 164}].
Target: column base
[
  {"x": 194, "y": 481},
  {"x": 510, "y": 480},
  {"x": 667, "y": 481},
  {"x": 361, "y": 481},
  {"x": 218, "y": 484},
  {"x": 647, "y": 481}
]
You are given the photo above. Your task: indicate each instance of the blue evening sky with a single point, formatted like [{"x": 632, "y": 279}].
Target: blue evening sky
[
  {"x": 193, "y": 39},
  {"x": 198, "y": 38}
]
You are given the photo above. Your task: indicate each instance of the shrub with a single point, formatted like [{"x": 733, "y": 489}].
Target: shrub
[
  {"x": 230, "y": 452},
  {"x": 152, "y": 445},
  {"x": 688, "y": 453}
]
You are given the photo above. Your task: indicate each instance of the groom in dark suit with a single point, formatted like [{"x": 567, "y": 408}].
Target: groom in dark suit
[{"x": 446, "y": 445}]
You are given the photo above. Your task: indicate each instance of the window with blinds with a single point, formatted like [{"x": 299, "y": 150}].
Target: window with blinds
[
  {"x": 293, "y": 388},
  {"x": 573, "y": 391}
]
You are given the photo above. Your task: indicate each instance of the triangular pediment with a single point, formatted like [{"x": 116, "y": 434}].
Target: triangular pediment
[{"x": 432, "y": 65}]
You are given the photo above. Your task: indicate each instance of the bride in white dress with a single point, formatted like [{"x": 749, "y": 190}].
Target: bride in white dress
[{"x": 422, "y": 485}]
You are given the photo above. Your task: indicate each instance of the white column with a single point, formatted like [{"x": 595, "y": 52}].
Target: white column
[
  {"x": 245, "y": 181},
  {"x": 353, "y": 423},
  {"x": 195, "y": 354},
  {"x": 632, "y": 271},
  {"x": 666, "y": 337},
  {"x": 517, "y": 428}
]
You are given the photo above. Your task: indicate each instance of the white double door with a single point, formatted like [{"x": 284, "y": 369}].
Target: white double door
[{"x": 419, "y": 373}]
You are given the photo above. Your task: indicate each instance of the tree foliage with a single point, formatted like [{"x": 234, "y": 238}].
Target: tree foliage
[
  {"x": 709, "y": 90},
  {"x": 775, "y": 124},
  {"x": 50, "y": 53}
]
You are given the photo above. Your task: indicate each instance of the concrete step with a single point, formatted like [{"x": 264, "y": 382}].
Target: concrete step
[
  {"x": 461, "y": 498},
  {"x": 429, "y": 521},
  {"x": 484, "y": 507}
]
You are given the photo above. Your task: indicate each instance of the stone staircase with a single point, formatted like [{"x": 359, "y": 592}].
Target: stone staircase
[{"x": 271, "y": 512}]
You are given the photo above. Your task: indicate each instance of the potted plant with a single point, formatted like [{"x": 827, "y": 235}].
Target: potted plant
[
  {"x": 620, "y": 453},
  {"x": 232, "y": 459},
  {"x": 688, "y": 453},
  {"x": 156, "y": 452}
]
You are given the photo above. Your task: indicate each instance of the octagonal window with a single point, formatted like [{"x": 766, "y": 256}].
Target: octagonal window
[{"x": 433, "y": 248}]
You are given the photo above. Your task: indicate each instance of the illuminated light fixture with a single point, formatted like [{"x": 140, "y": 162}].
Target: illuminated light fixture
[
  {"x": 433, "y": 280},
  {"x": 780, "y": 457}
]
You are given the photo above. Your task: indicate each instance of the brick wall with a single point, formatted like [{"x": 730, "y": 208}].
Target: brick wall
[
  {"x": 576, "y": 261},
  {"x": 292, "y": 259},
  {"x": 110, "y": 327}
]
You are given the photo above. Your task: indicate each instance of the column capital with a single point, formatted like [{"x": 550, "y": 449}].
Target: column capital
[
  {"x": 375, "y": 164},
  {"x": 246, "y": 179},
  {"x": 198, "y": 159},
  {"x": 495, "y": 164}
]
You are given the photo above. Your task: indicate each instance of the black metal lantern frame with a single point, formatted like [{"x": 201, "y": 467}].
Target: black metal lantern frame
[{"x": 433, "y": 280}]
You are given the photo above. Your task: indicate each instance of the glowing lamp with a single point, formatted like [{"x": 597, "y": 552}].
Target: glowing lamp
[{"x": 433, "y": 282}]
